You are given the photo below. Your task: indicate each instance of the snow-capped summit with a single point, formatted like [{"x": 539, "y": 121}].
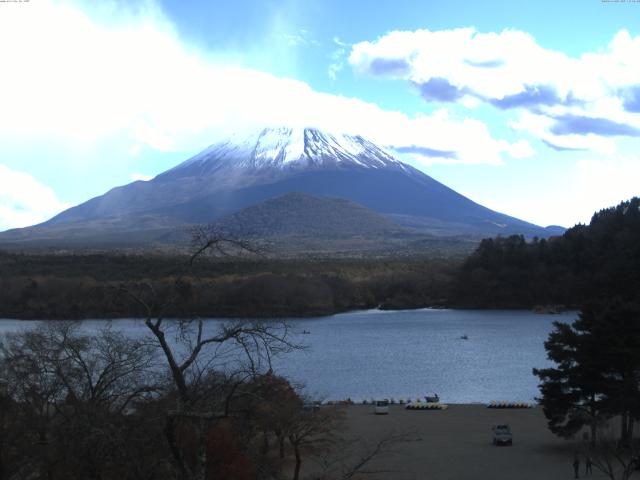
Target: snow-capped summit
[{"x": 288, "y": 148}]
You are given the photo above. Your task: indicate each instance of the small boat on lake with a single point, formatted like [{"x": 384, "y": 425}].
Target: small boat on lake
[{"x": 464, "y": 337}]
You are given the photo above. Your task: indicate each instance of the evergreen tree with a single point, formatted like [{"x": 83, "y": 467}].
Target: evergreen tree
[
  {"x": 572, "y": 391},
  {"x": 597, "y": 369},
  {"x": 615, "y": 325}
]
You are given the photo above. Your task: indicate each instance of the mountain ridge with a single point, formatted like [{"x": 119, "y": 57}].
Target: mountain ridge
[{"x": 242, "y": 171}]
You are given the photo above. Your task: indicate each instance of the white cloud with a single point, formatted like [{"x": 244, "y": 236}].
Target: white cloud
[
  {"x": 337, "y": 58},
  {"x": 141, "y": 176},
  {"x": 301, "y": 38},
  {"x": 133, "y": 79},
  {"x": 540, "y": 125},
  {"x": 583, "y": 102},
  {"x": 600, "y": 184},
  {"x": 24, "y": 200},
  {"x": 134, "y": 150},
  {"x": 573, "y": 196},
  {"x": 335, "y": 68},
  {"x": 339, "y": 42},
  {"x": 520, "y": 149},
  {"x": 492, "y": 65},
  {"x": 462, "y": 141}
]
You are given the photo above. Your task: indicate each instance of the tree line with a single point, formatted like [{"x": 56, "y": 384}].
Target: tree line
[
  {"x": 586, "y": 262},
  {"x": 66, "y": 286}
]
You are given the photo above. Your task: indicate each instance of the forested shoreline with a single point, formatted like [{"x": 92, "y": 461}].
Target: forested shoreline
[
  {"x": 64, "y": 286},
  {"x": 588, "y": 261}
]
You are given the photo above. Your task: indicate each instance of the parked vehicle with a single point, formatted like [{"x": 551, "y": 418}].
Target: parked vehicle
[
  {"x": 502, "y": 435},
  {"x": 381, "y": 407}
]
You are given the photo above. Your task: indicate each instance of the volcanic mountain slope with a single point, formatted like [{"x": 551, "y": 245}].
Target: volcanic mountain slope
[{"x": 245, "y": 170}]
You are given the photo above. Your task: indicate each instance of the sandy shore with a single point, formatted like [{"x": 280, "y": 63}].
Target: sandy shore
[{"x": 456, "y": 444}]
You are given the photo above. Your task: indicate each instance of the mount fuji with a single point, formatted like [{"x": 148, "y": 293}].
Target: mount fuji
[{"x": 246, "y": 170}]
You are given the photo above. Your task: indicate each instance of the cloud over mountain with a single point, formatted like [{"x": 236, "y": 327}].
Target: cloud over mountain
[
  {"x": 24, "y": 200},
  {"x": 130, "y": 77},
  {"x": 593, "y": 95}
]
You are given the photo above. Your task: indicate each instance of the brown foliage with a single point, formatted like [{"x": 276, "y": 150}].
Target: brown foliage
[{"x": 225, "y": 456}]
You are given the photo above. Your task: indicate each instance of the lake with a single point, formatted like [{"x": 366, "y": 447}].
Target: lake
[{"x": 408, "y": 354}]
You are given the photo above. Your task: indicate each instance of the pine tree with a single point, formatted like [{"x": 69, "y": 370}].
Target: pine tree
[{"x": 597, "y": 371}]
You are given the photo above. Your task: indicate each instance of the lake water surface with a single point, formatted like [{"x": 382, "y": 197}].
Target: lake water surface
[{"x": 408, "y": 354}]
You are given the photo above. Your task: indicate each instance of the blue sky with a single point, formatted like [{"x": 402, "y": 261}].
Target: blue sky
[{"x": 530, "y": 108}]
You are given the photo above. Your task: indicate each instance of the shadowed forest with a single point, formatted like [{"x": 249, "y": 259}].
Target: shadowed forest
[
  {"x": 587, "y": 262},
  {"x": 506, "y": 272},
  {"x": 87, "y": 286}
]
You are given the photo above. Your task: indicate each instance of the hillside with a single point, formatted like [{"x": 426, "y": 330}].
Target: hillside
[{"x": 306, "y": 215}]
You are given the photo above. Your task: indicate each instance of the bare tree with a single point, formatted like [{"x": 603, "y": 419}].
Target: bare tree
[
  {"x": 237, "y": 351},
  {"x": 69, "y": 393},
  {"x": 616, "y": 459},
  {"x": 36, "y": 389},
  {"x": 11, "y": 448},
  {"x": 311, "y": 432}
]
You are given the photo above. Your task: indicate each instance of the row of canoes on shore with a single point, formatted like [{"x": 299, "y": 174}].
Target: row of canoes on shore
[
  {"x": 419, "y": 405},
  {"x": 426, "y": 406},
  {"x": 503, "y": 404},
  {"x": 442, "y": 406}
]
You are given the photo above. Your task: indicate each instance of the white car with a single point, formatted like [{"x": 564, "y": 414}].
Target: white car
[
  {"x": 502, "y": 435},
  {"x": 381, "y": 407}
]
